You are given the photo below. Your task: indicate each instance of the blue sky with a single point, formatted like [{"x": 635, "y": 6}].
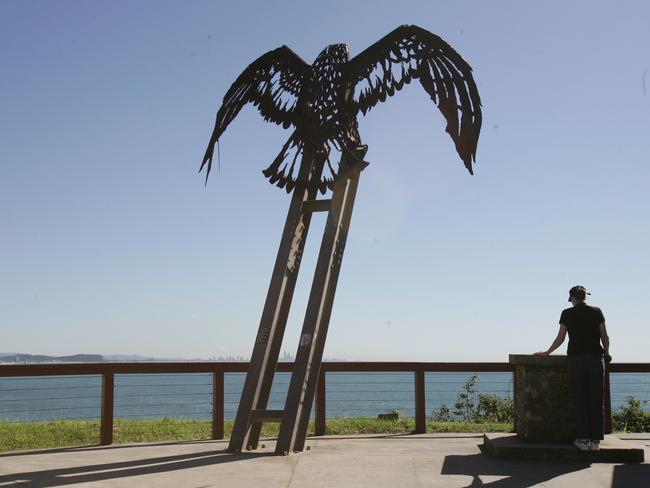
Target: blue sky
[{"x": 111, "y": 244}]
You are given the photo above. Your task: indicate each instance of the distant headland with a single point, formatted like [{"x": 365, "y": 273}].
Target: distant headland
[{"x": 24, "y": 358}]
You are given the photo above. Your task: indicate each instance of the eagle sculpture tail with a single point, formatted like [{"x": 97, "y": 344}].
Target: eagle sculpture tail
[{"x": 284, "y": 171}]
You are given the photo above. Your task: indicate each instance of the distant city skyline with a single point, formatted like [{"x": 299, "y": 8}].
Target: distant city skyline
[
  {"x": 28, "y": 357},
  {"x": 112, "y": 244}
]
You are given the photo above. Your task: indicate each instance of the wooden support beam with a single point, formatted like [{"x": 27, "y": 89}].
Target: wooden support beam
[
  {"x": 320, "y": 425},
  {"x": 106, "y": 422},
  {"x": 217, "y": 404},
  {"x": 420, "y": 403},
  {"x": 267, "y": 415},
  {"x": 318, "y": 205},
  {"x": 302, "y": 387},
  {"x": 259, "y": 378}
]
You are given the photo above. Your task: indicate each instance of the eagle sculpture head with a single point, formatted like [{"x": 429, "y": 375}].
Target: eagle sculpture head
[{"x": 333, "y": 54}]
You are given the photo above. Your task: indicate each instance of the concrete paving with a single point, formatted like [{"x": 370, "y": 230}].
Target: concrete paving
[{"x": 428, "y": 460}]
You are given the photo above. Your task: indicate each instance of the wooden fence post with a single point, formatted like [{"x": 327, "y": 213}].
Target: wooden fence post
[
  {"x": 108, "y": 395},
  {"x": 217, "y": 404},
  {"x": 420, "y": 403},
  {"x": 320, "y": 425}
]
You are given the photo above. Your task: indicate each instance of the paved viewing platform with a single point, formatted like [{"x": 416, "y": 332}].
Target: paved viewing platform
[{"x": 426, "y": 460}]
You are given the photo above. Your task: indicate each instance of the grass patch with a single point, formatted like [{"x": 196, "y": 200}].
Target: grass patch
[
  {"x": 362, "y": 425},
  {"x": 64, "y": 433},
  {"x": 46, "y": 435},
  {"x": 158, "y": 430}
]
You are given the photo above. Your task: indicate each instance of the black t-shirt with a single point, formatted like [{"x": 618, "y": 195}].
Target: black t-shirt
[{"x": 583, "y": 323}]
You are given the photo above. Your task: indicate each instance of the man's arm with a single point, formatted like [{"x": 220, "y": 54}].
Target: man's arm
[
  {"x": 559, "y": 339},
  {"x": 604, "y": 338}
]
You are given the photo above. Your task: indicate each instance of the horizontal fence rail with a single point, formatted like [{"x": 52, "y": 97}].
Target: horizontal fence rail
[{"x": 211, "y": 386}]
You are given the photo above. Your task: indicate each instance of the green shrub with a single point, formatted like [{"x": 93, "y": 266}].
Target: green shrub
[
  {"x": 474, "y": 407},
  {"x": 631, "y": 417},
  {"x": 465, "y": 407},
  {"x": 442, "y": 414},
  {"x": 493, "y": 408}
]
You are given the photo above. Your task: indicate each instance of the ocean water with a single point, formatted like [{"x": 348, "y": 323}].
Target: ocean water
[{"x": 140, "y": 396}]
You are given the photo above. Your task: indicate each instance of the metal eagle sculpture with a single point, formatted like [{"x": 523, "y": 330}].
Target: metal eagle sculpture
[{"x": 321, "y": 101}]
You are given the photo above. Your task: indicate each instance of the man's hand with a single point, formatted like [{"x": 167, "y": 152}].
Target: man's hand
[{"x": 559, "y": 339}]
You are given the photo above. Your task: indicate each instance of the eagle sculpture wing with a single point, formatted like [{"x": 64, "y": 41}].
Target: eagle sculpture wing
[
  {"x": 272, "y": 83},
  {"x": 411, "y": 52}
]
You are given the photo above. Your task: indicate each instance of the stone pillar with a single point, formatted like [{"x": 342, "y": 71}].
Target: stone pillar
[{"x": 543, "y": 405}]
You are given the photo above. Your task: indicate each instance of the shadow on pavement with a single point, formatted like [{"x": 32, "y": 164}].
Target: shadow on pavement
[
  {"x": 631, "y": 476},
  {"x": 516, "y": 474},
  {"x": 123, "y": 469},
  {"x": 98, "y": 447}
]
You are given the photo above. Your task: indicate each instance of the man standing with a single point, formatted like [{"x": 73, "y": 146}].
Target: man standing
[{"x": 586, "y": 327}]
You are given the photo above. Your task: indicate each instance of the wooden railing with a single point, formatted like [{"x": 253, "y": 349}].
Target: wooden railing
[{"x": 218, "y": 369}]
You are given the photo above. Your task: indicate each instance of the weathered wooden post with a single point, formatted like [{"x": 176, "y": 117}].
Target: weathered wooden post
[
  {"x": 420, "y": 402},
  {"x": 217, "y": 403},
  {"x": 108, "y": 395},
  {"x": 320, "y": 424}
]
